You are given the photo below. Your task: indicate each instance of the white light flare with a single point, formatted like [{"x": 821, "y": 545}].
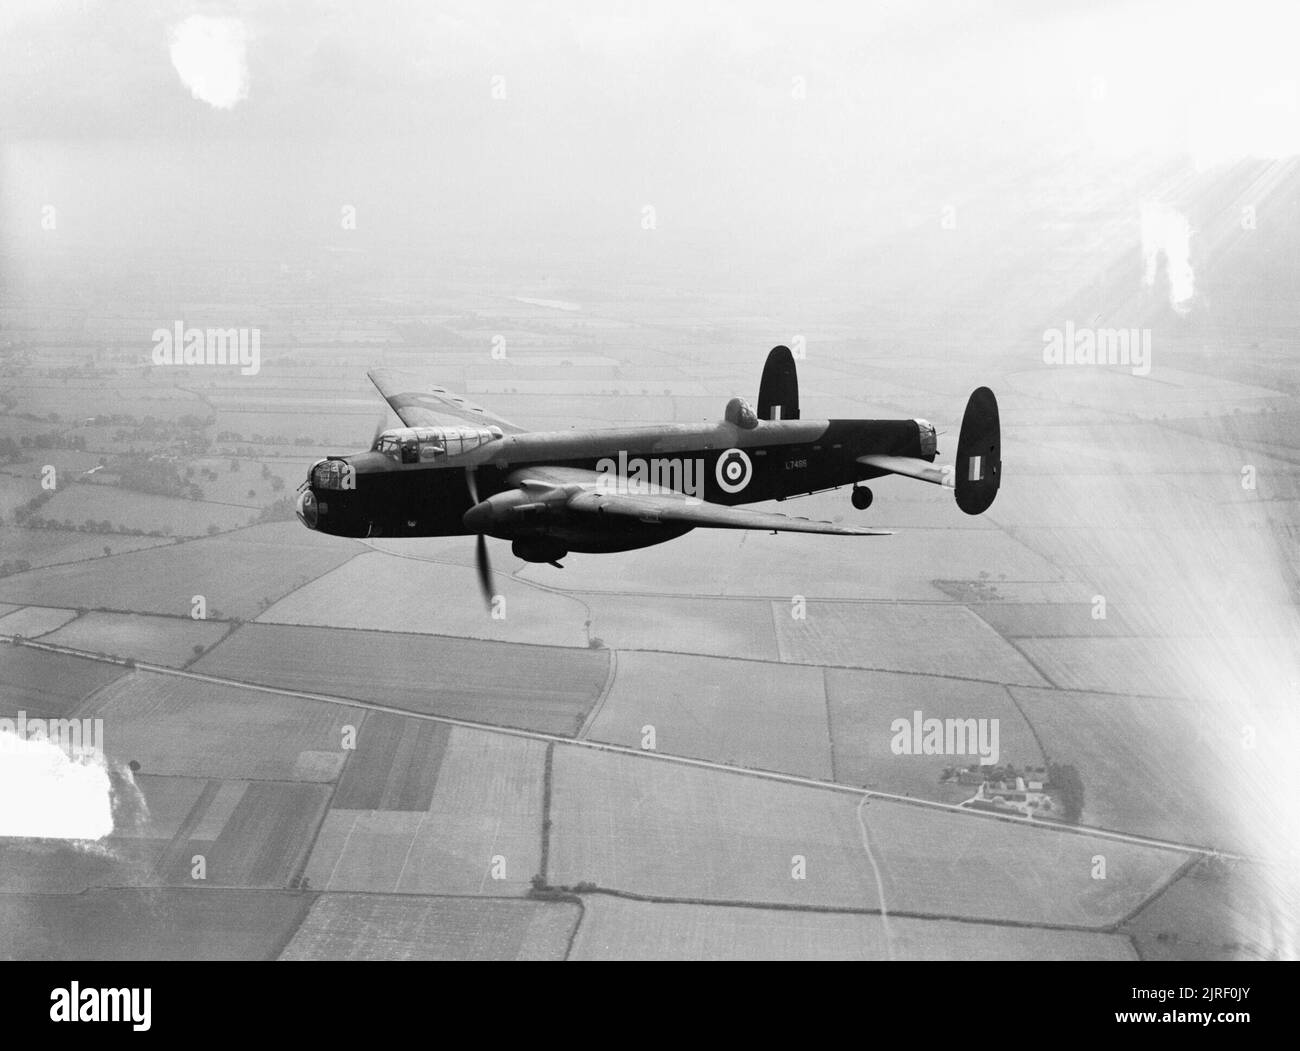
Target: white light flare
[
  {"x": 210, "y": 55},
  {"x": 47, "y": 794},
  {"x": 1166, "y": 233}
]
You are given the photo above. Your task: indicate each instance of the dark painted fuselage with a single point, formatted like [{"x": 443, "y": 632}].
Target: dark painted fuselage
[{"x": 722, "y": 463}]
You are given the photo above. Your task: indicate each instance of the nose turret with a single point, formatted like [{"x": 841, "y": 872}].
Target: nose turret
[{"x": 307, "y": 511}]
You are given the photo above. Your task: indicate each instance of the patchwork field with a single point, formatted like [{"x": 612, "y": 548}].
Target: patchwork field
[
  {"x": 657, "y": 828},
  {"x": 481, "y": 833},
  {"x": 48, "y": 684},
  {"x": 748, "y": 713},
  {"x": 1195, "y": 777},
  {"x": 931, "y": 639},
  {"x": 864, "y": 704},
  {"x": 34, "y": 621},
  {"x": 130, "y": 510},
  {"x": 171, "y": 641},
  {"x": 188, "y": 727},
  {"x": 1049, "y": 619},
  {"x": 43, "y": 547},
  {"x": 238, "y": 574},
  {"x": 618, "y": 929},
  {"x": 1142, "y": 666},
  {"x": 254, "y": 834},
  {"x": 149, "y": 924},
  {"x": 1219, "y": 910},
  {"x": 1189, "y": 667},
  {"x": 63, "y": 867},
  {"x": 394, "y": 765},
  {"x": 416, "y": 927},
  {"x": 714, "y": 627},
  {"x": 382, "y": 592},
  {"x": 533, "y": 687}
]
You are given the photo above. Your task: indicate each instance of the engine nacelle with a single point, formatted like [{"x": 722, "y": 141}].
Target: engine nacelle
[{"x": 538, "y": 549}]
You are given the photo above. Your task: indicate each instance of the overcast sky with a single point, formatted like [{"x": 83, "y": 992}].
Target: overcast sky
[{"x": 741, "y": 124}]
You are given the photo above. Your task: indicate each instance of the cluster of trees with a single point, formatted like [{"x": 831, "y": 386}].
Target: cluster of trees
[
  {"x": 157, "y": 476},
  {"x": 279, "y": 510},
  {"x": 1065, "y": 779},
  {"x": 50, "y": 440},
  {"x": 88, "y": 526},
  {"x": 28, "y": 513},
  {"x": 10, "y": 450},
  {"x": 260, "y": 440}
]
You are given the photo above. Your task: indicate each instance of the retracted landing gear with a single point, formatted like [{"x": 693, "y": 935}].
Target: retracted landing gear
[{"x": 861, "y": 497}]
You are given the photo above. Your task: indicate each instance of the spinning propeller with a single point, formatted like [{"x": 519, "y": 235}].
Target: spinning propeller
[{"x": 480, "y": 552}]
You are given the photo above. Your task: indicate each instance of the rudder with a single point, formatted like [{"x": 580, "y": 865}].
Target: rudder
[
  {"x": 979, "y": 453},
  {"x": 778, "y": 392}
]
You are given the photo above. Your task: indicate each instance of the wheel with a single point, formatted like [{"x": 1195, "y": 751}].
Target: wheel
[{"x": 861, "y": 497}]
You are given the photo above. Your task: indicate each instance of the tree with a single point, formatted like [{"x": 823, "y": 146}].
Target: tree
[{"x": 1065, "y": 779}]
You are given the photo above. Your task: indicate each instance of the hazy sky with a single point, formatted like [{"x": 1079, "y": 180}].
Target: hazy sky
[{"x": 740, "y": 124}]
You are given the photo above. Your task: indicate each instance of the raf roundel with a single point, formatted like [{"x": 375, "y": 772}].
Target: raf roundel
[{"x": 733, "y": 470}]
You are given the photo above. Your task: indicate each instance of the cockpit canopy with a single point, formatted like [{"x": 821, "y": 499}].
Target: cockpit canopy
[{"x": 429, "y": 444}]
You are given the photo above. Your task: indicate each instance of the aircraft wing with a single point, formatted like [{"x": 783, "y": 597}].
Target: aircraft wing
[
  {"x": 911, "y": 467},
  {"x": 420, "y": 404},
  {"x": 675, "y": 507}
]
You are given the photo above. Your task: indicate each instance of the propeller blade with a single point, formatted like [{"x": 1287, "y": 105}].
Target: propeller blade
[
  {"x": 484, "y": 569},
  {"x": 472, "y": 483}
]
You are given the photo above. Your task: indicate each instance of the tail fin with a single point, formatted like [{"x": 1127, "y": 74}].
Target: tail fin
[
  {"x": 778, "y": 393},
  {"x": 979, "y": 453}
]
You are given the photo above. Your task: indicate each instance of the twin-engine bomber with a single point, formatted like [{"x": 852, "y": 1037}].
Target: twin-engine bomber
[{"x": 455, "y": 469}]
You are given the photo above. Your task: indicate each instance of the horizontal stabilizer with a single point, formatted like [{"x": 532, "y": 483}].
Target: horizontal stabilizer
[
  {"x": 910, "y": 467},
  {"x": 978, "y": 471}
]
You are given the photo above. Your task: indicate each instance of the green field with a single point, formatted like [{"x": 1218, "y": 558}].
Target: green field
[
  {"x": 651, "y": 827},
  {"x": 34, "y": 621},
  {"x": 618, "y": 929},
  {"x": 131, "y": 510},
  {"x": 481, "y": 833},
  {"x": 187, "y": 727},
  {"x": 934, "y": 639},
  {"x": 43, "y": 547},
  {"x": 238, "y": 574},
  {"x": 1195, "y": 778},
  {"x": 149, "y": 924},
  {"x": 864, "y": 705},
  {"x": 386, "y": 592},
  {"x": 48, "y": 684},
  {"x": 418, "y": 927},
  {"x": 155, "y": 640},
  {"x": 748, "y": 713},
  {"x": 532, "y": 687},
  {"x": 394, "y": 766},
  {"x": 1220, "y": 910},
  {"x": 255, "y": 838}
]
